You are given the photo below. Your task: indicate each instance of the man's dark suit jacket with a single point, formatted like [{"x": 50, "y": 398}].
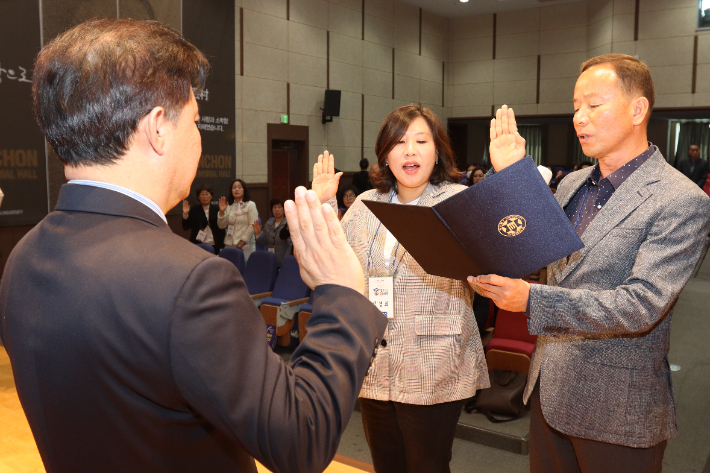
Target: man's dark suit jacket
[
  {"x": 700, "y": 171},
  {"x": 136, "y": 351},
  {"x": 196, "y": 221}
]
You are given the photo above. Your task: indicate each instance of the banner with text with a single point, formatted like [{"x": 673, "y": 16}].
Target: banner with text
[
  {"x": 23, "y": 177},
  {"x": 209, "y": 25}
]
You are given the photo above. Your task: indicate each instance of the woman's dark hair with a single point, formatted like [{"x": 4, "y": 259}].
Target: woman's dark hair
[
  {"x": 393, "y": 128},
  {"x": 469, "y": 179},
  {"x": 92, "y": 84},
  {"x": 341, "y": 202},
  {"x": 203, "y": 187},
  {"x": 275, "y": 201},
  {"x": 246, "y": 197},
  {"x": 364, "y": 163}
]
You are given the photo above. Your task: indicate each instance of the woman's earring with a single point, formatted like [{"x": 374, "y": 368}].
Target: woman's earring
[
  {"x": 386, "y": 163},
  {"x": 437, "y": 159}
]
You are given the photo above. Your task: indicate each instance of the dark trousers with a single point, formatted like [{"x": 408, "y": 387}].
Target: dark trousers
[
  {"x": 552, "y": 451},
  {"x": 407, "y": 438}
]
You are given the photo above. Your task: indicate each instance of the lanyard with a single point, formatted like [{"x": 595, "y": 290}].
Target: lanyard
[{"x": 369, "y": 252}]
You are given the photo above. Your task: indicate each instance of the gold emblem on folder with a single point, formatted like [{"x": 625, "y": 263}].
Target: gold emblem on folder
[{"x": 512, "y": 225}]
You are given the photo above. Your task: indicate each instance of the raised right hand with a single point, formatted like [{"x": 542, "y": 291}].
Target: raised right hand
[
  {"x": 507, "y": 146},
  {"x": 222, "y": 204},
  {"x": 323, "y": 252},
  {"x": 185, "y": 207},
  {"x": 257, "y": 227}
]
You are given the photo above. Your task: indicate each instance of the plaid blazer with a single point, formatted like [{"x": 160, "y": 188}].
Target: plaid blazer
[
  {"x": 433, "y": 353},
  {"x": 604, "y": 318}
]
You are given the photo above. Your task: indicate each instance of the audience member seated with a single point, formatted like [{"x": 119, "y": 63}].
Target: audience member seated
[
  {"x": 202, "y": 220},
  {"x": 275, "y": 235},
  {"x": 346, "y": 199},
  {"x": 237, "y": 218},
  {"x": 694, "y": 167},
  {"x": 476, "y": 176}
]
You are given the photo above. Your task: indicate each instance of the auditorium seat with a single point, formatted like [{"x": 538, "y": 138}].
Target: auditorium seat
[
  {"x": 511, "y": 346},
  {"x": 262, "y": 247},
  {"x": 303, "y": 316},
  {"x": 280, "y": 308},
  {"x": 259, "y": 274},
  {"x": 206, "y": 247},
  {"x": 235, "y": 256}
]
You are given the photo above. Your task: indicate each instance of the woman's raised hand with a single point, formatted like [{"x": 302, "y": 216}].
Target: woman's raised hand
[
  {"x": 222, "y": 204},
  {"x": 257, "y": 227},
  {"x": 325, "y": 181},
  {"x": 185, "y": 207},
  {"x": 507, "y": 146}
]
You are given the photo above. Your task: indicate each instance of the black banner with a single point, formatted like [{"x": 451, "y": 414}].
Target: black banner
[
  {"x": 23, "y": 175},
  {"x": 209, "y": 25}
]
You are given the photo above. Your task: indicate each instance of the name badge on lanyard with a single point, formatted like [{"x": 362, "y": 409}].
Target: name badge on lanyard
[
  {"x": 381, "y": 293},
  {"x": 201, "y": 236},
  {"x": 230, "y": 230}
]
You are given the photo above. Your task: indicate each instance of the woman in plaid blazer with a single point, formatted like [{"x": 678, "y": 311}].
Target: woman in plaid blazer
[{"x": 430, "y": 359}]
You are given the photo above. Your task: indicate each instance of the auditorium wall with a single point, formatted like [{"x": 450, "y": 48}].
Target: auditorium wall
[
  {"x": 312, "y": 45},
  {"x": 293, "y": 50}
]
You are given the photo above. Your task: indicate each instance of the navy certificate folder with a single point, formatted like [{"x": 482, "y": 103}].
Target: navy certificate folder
[{"x": 508, "y": 224}]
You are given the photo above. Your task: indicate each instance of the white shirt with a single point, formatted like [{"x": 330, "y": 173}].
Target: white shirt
[
  {"x": 390, "y": 240},
  {"x": 127, "y": 192}
]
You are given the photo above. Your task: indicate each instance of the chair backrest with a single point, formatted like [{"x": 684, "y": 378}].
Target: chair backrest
[
  {"x": 235, "y": 255},
  {"x": 513, "y": 326},
  {"x": 206, "y": 247},
  {"x": 289, "y": 285},
  {"x": 262, "y": 247},
  {"x": 260, "y": 272}
]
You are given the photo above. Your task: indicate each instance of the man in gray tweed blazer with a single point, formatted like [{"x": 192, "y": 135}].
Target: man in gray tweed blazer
[{"x": 599, "y": 381}]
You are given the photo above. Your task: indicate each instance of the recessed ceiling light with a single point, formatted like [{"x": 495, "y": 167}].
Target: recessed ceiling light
[{"x": 463, "y": 1}]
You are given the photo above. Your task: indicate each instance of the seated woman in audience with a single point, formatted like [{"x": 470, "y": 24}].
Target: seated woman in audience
[
  {"x": 476, "y": 176},
  {"x": 275, "y": 235},
  {"x": 430, "y": 358},
  {"x": 237, "y": 218},
  {"x": 347, "y": 198},
  {"x": 201, "y": 220}
]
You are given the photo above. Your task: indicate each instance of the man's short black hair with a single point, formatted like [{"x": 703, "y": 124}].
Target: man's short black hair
[
  {"x": 93, "y": 83},
  {"x": 364, "y": 164}
]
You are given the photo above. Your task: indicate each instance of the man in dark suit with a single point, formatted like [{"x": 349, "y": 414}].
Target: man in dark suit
[
  {"x": 599, "y": 381},
  {"x": 132, "y": 349},
  {"x": 693, "y": 167}
]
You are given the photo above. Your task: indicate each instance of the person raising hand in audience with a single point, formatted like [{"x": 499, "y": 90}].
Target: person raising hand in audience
[
  {"x": 275, "y": 234},
  {"x": 237, "y": 218}
]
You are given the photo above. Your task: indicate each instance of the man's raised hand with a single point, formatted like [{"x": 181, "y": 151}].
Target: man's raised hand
[{"x": 507, "y": 146}]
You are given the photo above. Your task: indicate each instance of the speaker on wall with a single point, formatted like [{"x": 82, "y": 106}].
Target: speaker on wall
[{"x": 331, "y": 105}]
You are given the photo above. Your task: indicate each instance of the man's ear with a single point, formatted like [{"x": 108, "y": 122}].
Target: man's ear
[
  {"x": 641, "y": 110},
  {"x": 155, "y": 128}
]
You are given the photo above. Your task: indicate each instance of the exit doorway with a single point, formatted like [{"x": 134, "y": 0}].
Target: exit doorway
[{"x": 288, "y": 159}]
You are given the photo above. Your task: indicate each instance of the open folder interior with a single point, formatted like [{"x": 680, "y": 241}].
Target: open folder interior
[{"x": 508, "y": 224}]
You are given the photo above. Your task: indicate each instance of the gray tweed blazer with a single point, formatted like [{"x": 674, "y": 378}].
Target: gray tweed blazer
[{"x": 604, "y": 318}]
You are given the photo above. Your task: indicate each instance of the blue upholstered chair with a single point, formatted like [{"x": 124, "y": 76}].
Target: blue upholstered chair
[
  {"x": 235, "y": 255},
  {"x": 281, "y": 307},
  {"x": 260, "y": 274}
]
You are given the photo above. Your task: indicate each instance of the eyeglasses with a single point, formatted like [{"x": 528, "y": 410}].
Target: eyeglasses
[{"x": 349, "y": 196}]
